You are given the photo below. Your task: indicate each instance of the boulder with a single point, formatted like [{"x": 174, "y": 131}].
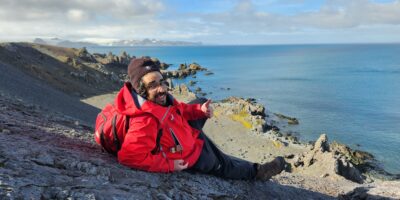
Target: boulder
[
  {"x": 196, "y": 67},
  {"x": 84, "y": 55},
  {"x": 246, "y": 111},
  {"x": 110, "y": 58},
  {"x": 381, "y": 190},
  {"x": 124, "y": 58},
  {"x": 322, "y": 161},
  {"x": 183, "y": 93},
  {"x": 347, "y": 170},
  {"x": 182, "y": 66},
  {"x": 321, "y": 144},
  {"x": 290, "y": 120},
  {"x": 355, "y": 156}
]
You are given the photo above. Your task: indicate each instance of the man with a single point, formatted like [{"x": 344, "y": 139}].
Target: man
[{"x": 165, "y": 135}]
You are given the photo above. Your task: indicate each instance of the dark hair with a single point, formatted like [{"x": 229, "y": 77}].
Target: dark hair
[{"x": 142, "y": 91}]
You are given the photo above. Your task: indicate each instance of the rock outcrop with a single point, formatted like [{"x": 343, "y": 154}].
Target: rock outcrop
[
  {"x": 84, "y": 55},
  {"x": 183, "y": 93},
  {"x": 247, "y": 111},
  {"x": 184, "y": 71},
  {"x": 381, "y": 190},
  {"x": 112, "y": 60},
  {"x": 326, "y": 161}
]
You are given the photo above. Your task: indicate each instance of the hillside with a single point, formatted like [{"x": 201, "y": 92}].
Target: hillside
[{"x": 47, "y": 149}]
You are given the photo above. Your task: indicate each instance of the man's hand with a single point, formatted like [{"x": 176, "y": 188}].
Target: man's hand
[
  {"x": 179, "y": 165},
  {"x": 207, "y": 109}
]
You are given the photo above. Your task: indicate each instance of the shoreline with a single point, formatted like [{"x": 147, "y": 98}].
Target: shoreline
[
  {"x": 186, "y": 73},
  {"x": 262, "y": 144},
  {"x": 240, "y": 127}
]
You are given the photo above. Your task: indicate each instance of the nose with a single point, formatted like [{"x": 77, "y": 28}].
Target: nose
[{"x": 161, "y": 88}]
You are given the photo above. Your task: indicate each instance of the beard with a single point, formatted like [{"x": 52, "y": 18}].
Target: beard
[{"x": 161, "y": 99}]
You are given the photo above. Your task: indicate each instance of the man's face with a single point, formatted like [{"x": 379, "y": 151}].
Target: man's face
[{"x": 156, "y": 87}]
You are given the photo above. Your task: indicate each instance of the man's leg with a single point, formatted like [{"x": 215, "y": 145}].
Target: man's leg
[{"x": 213, "y": 161}]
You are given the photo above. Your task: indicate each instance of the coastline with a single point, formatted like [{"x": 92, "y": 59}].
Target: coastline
[
  {"x": 346, "y": 97},
  {"x": 241, "y": 127},
  {"x": 239, "y": 117}
]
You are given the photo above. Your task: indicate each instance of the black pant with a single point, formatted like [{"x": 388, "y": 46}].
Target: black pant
[{"x": 213, "y": 161}]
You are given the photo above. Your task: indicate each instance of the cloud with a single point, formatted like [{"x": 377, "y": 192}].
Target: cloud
[
  {"x": 77, "y": 19},
  {"x": 242, "y": 20},
  {"x": 32, "y": 10},
  {"x": 77, "y": 15},
  {"x": 350, "y": 14},
  {"x": 333, "y": 15}
]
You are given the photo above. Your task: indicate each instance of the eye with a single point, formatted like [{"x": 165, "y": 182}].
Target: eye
[{"x": 152, "y": 85}]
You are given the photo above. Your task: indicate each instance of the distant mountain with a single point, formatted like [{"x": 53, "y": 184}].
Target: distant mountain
[
  {"x": 144, "y": 42},
  {"x": 63, "y": 43},
  {"x": 152, "y": 42}
]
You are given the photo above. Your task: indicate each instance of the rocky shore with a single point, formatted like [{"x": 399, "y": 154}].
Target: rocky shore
[{"x": 45, "y": 154}]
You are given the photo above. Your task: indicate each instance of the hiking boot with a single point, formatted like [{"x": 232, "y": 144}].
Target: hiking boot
[{"x": 269, "y": 169}]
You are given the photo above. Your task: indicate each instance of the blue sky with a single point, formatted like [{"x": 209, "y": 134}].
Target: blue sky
[{"x": 207, "y": 21}]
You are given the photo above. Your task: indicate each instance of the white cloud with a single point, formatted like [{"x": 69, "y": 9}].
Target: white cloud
[
  {"x": 77, "y": 15},
  {"x": 245, "y": 22}
]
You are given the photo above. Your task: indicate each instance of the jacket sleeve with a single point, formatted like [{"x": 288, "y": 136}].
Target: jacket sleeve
[
  {"x": 192, "y": 111},
  {"x": 139, "y": 141}
]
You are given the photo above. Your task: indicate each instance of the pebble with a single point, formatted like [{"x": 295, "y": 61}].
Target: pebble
[
  {"x": 324, "y": 175},
  {"x": 6, "y": 131}
]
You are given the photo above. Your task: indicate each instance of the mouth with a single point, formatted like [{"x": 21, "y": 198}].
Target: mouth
[{"x": 161, "y": 97}]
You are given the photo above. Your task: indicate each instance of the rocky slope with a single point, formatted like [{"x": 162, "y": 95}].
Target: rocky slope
[
  {"x": 48, "y": 156},
  {"x": 45, "y": 154}
]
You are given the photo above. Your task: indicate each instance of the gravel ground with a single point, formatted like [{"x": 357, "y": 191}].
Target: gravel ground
[{"x": 17, "y": 84}]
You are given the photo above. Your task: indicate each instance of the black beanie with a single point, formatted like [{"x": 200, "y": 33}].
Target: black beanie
[{"x": 139, "y": 67}]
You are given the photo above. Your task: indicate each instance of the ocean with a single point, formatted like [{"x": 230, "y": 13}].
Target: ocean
[{"x": 349, "y": 91}]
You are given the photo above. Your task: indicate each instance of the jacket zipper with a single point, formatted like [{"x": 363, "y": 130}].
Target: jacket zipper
[{"x": 176, "y": 140}]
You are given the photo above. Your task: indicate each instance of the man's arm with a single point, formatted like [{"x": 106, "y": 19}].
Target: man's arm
[
  {"x": 139, "y": 141},
  {"x": 197, "y": 111}
]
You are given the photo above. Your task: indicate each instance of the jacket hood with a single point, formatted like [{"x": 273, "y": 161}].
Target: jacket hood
[{"x": 128, "y": 102}]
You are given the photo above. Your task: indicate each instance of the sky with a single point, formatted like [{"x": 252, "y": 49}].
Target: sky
[{"x": 223, "y": 22}]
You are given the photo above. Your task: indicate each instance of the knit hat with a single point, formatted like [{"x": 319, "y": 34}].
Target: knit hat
[{"x": 139, "y": 67}]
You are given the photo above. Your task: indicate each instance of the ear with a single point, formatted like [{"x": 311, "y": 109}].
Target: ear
[{"x": 142, "y": 89}]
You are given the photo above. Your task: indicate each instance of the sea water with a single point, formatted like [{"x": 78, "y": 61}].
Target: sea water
[{"x": 349, "y": 91}]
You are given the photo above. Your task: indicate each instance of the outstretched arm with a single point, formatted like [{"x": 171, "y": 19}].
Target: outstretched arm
[{"x": 197, "y": 111}]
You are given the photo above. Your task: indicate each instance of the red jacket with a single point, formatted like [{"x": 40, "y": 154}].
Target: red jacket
[{"x": 147, "y": 118}]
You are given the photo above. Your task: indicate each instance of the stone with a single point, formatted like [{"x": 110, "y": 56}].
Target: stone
[
  {"x": 124, "y": 58},
  {"x": 84, "y": 55},
  {"x": 182, "y": 66},
  {"x": 44, "y": 159},
  {"x": 347, "y": 170},
  {"x": 322, "y": 143},
  {"x": 192, "y": 83},
  {"x": 290, "y": 120},
  {"x": 385, "y": 190},
  {"x": 6, "y": 131},
  {"x": 164, "y": 66},
  {"x": 195, "y": 66}
]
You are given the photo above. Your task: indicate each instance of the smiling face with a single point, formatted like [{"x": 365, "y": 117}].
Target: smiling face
[{"x": 156, "y": 87}]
